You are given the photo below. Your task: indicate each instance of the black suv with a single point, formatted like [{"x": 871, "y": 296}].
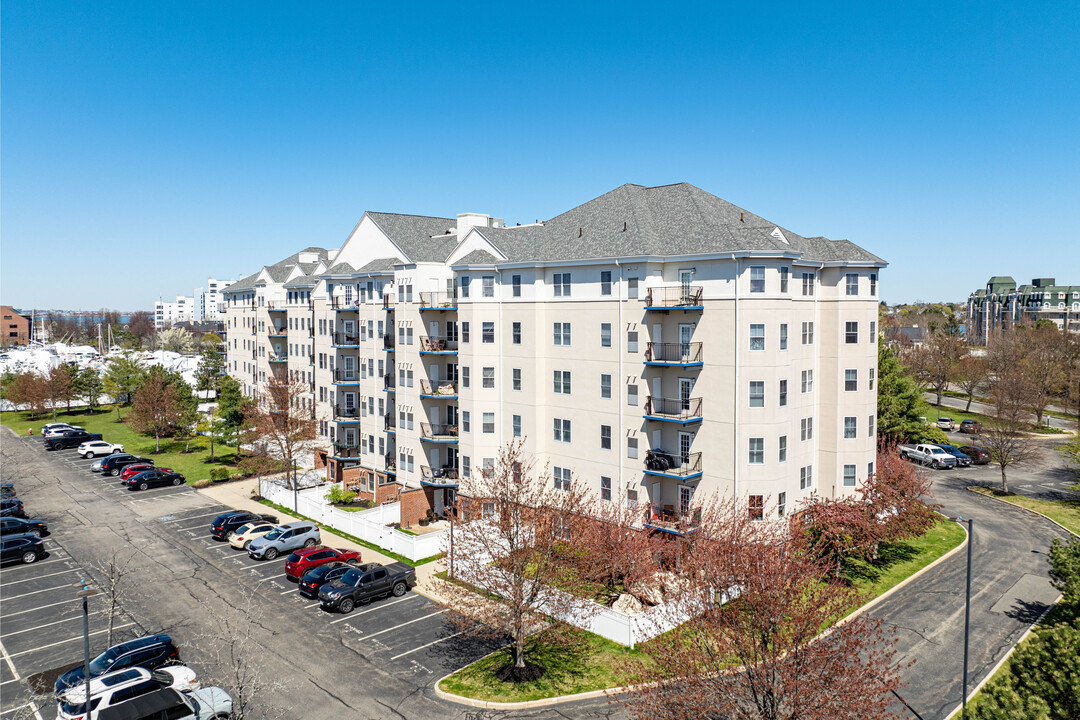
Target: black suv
[
  {"x": 228, "y": 522},
  {"x": 25, "y": 548},
  {"x": 114, "y": 464},
  {"x": 19, "y": 526},
  {"x": 12, "y": 507},
  {"x": 70, "y": 439},
  {"x": 150, "y": 652}
]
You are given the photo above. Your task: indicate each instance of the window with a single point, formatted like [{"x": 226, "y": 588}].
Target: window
[
  {"x": 487, "y": 331},
  {"x": 489, "y": 423},
  {"x": 807, "y": 381},
  {"x": 870, "y": 425},
  {"x": 849, "y": 476},
  {"x": 605, "y": 386},
  {"x": 873, "y": 374},
  {"x": 605, "y": 437},
  {"x": 850, "y": 428},
  {"x": 488, "y": 378},
  {"x": 806, "y": 477},
  {"x": 631, "y": 342},
  {"x": 757, "y": 393},
  {"x": 562, "y": 478},
  {"x": 784, "y": 273},
  {"x": 757, "y": 507},
  {"x": 465, "y": 376},
  {"x": 631, "y": 448},
  {"x": 562, "y": 382},
  {"x": 783, "y": 393},
  {"x": 466, "y": 421},
  {"x": 851, "y": 380},
  {"x": 605, "y": 289},
  {"x": 782, "y": 453},
  {"x": 852, "y": 283},
  {"x": 873, "y": 332},
  {"x": 806, "y": 429},
  {"x": 783, "y": 336},
  {"x": 757, "y": 278},
  {"x": 808, "y": 284},
  {"x": 808, "y": 333},
  {"x": 873, "y": 283},
  {"x": 757, "y": 336},
  {"x": 465, "y": 331},
  {"x": 465, "y": 286},
  {"x": 517, "y": 425},
  {"x": 488, "y": 285},
  {"x": 466, "y": 466},
  {"x": 562, "y": 430},
  {"x": 516, "y": 385},
  {"x": 561, "y": 333},
  {"x": 515, "y": 281},
  {"x": 757, "y": 451},
  {"x": 605, "y": 334},
  {"x": 605, "y": 488},
  {"x": 516, "y": 334},
  {"x": 851, "y": 332},
  {"x": 631, "y": 394},
  {"x": 869, "y": 470},
  {"x": 781, "y": 504},
  {"x": 561, "y": 281},
  {"x": 632, "y": 288}
]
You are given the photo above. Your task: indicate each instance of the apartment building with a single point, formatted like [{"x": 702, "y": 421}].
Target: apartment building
[
  {"x": 167, "y": 314},
  {"x": 16, "y": 327},
  {"x": 648, "y": 319},
  {"x": 1002, "y": 304},
  {"x": 209, "y": 302}
]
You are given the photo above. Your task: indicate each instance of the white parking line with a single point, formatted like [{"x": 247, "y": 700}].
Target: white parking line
[
  {"x": 377, "y": 607},
  {"x": 272, "y": 577},
  {"x": 433, "y": 642},
  {"x": 38, "y": 577},
  {"x": 73, "y": 639},
  {"x": 7, "y": 659},
  {"x": 44, "y": 562},
  {"x": 35, "y": 592},
  {"x": 408, "y": 622},
  {"x": 193, "y": 517},
  {"x": 41, "y": 607},
  {"x": 55, "y": 622}
]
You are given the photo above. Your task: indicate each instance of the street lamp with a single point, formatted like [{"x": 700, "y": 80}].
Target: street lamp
[
  {"x": 85, "y": 592},
  {"x": 967, "y": 615}
]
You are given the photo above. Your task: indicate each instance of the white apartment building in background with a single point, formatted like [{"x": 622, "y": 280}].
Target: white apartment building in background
[
  {"x": 648, "y": 319},
  {"x": 210, "y": 304},
  {"x": 167, "y": 314}
]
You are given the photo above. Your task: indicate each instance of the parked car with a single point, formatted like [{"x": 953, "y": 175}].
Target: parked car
[
  {"x": 12, "y": 507},
  {"x": 70, "y": 439},
  {"x": 203, "y": 704},
  {"x": 7, "y": 491},
  {"x": 20, "y": 526},
  {"x": 115, "y": 464},
  {"x": 945, "y": 423},
  {"x": 227, "y": 523},
  {"x": 153, "y": 478},
  {"x": 366, "y": 583},
  {"x": 248, "y": 532},
  {"x": 313, "y": 579},
  {"x": 926, "y": 454},
  {"x": 283, "y": 539},
  {"x": 131, "y": 471},
  {"x": 24, "y": 548},
  {"x": 978, "y": 455},
  {"x": 149, "y": 651},
  {"x": 962, "y": 459},
  {"x": 971, "y": 427},
  {"x": 53, "y": 429},
  {"x": 99, "y": 447},
  {"x": 303, "y": 560},
  {"x": 119, "y": 686}
]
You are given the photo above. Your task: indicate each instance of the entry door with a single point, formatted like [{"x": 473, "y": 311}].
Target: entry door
[
  {"x": 348, "y": 364},
  {"x": 686, "y": 335},
  {"x": 686, "y": 387},
  {"x": 452, "y": 457},
  {"x": 685, "y": 440},
  {"x": 350, "y": 401},
  {"x": 433, "y": 330},
  {"x": 349, "y": 328},
  {"x": 434, "y": 415},
  {"x": 451, "y": 373},
  {"x": 452, "y": 415},
  {"x": 656, "y": 436},
  {"x": 657, "y": 388},
  {"x": 433, "y": 373},
  {"x": 685, "y": 276},
  {"x": 433, "y": 460},
  {"x": 657, "y": 333},
  {"x": 686, "y": 494}
]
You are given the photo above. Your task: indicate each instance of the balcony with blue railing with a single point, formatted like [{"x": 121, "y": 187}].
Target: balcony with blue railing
[
  {"x": 441, "y": 301},
  {"x": 388, "y": 342},
  {"x": 278, "y": 359},
  {"x": 677, "y": 297},
  {"x": 673, "y": 465},
  {"x": 683, "y": 355},
  {"x": 343, "y": 304},
  {"x": 446, "y": 434},
  {"x": 343, "y": 376},
  {"x": 438, "y": 345},
  {"x": 344, "y": 451},
  {"x": 442, "y": 390},
  {"x": 346, "y": 414},
  {"x": 674, "y": 410},
  {"x": 345, "y": 340}
]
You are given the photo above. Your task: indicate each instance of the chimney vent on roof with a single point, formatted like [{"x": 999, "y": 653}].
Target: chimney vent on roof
[
  {"x": 741, "y": 218},
  {"x": 579, "y": 232},
  {"x": 624, "y": 226}
]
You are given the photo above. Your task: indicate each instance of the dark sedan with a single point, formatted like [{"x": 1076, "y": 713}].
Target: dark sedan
[
  {"x": 153, "y": 478},
  {"x": 12, "y": 507},
  {"x": 7, "y": 491},
  {"x": 228, "y": 523},
  {"x": 24, "y": 548},
  {"x": 19, "y": 526},
  {"x": 978, "y": 455},
  {"x": 962, "y": 458},
  {"x": 315, "y": 578}
]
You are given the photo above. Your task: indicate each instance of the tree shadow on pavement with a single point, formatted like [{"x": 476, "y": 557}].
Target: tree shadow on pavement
[{"x": 1026, "y": 612}]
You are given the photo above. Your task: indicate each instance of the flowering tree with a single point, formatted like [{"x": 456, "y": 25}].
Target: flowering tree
[{"x": 156, "y": 408}]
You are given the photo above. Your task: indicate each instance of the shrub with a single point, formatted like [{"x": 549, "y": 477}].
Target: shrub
[
  {"x": 204, "y": 483},
  {"x": 339, "y": 495},
  {"x": 219, "y": 473}
]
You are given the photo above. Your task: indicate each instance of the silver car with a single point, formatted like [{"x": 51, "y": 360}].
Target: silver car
[{"x": 285, "y": 539}]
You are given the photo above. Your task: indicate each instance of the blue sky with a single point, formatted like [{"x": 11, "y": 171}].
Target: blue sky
[{"x": 149, "y": 145}]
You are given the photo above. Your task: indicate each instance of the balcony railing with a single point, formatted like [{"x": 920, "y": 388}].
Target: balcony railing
[
  {"x": 388, "y": 301},
  {"x": 679, "y": 296},
  {"x": 341, "y": 450},
  {"x": 442, "y": 390},
  {"x": 670, "y": 519},
  {"x": 442, "y": 433},
  {"x": 674, "y": 353},
  {"x": 389, "y": 462},
  {"x": 388, "y": 381},
  {"x": 346, "y": 413},
  {"x": 341, "y": 339},
  {"x": 276, "y": 306},
  {"x": 438, "y": 301},
  {"x": 340, "y": 303},
  {"x": 278, "y": 359},
  {"x": 276, "y": 332},
  {"x": 674, "y": 409},
  {"x": 665, "y": 464},
  {"x": 440, "y": 474},
  {"x": 388, "y": 341},
  {"x": 389, "y": 424},
  {"x": 342, "y": 375},
  {"x": 438, "y": 344}
]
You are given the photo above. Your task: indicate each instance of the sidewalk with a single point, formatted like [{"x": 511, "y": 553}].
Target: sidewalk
[{"x": 237, "y": 494}]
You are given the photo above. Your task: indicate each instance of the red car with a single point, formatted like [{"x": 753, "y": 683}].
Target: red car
[
  {"x": 306, "y": 558},
  {"x": 132, "y": 470}
]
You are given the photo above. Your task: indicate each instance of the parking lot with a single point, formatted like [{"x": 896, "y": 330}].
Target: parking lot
[{"x": 1045, "y": 477}]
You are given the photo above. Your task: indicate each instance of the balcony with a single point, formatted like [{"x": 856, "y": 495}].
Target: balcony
[
  {"x": 343, "y": 451},
  {"x": 276, "y": 332},
  {"x": 672, "y": 465},
  {"x": 340, "y": 339},
  {"x": 388, "y": 302},
  {"x": 389, "y": 424},
  {"x": 389, "y": 464},
  {"x": 439, "y": 433},
  {"x": 346, "y": 377},
  {"x": 388, "y": 342},
  {"x": 438, "y": 301},
  {"x": 346, "y": 414},
  {"x": 675, "y": 410},
  {"x": 444, "y": 390},
  {"x": 278, "y": 359},
  {"x": 671, "y": 520},
  {"x": 388, "y": 382},
  {"x": 275, "y": 306},
  {"x": 679, "y": 297},
  {"x": 439, "y": 477},
  {"x": 684, "y": 355},
  {"x": 438, "y": 345},
  {"x": 344, "y": 304}
]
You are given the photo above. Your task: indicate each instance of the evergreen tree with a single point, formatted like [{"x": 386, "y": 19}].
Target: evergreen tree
[
  {"x": 123, "y": 377},
  {"x": 234, "y": 409},
  {"x": 88, "y": 384},
  {"x": 1065, "y": 568},
  {"x": 1044, "y": 680},
  {"x": 211, "y": 365},
  {"x": 900, "y": 403}
]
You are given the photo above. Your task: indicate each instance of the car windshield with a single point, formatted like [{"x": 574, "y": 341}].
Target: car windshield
[
  {"x": 274, "y": 534},
  {"x": 352, "y": 577},
  {"x": 947, "y": 448},
  {"x": 76, "y": 708},
  {"x": 104, "y": 661}
]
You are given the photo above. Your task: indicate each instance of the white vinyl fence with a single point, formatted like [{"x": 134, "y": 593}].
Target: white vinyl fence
[{"x": 369, "y": 525}]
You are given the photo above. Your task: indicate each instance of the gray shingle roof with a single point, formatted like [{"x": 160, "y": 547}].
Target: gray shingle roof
[
  {"x": 280, "y": 271},
  {"x": 242, "y": 285},
  {"x": 342, "y": 268},
  {"x": 380, "y": 264},
  {"x": 422, "y": 239},
  {"x": 478, "y": 257}
]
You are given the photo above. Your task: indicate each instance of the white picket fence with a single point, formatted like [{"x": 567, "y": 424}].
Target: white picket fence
[{"x": 368, "y": 525}]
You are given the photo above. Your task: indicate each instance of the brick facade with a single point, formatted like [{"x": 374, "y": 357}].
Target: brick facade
[
  {"x": 16, "y": 328},
  {"x": 415, "y": 504}
]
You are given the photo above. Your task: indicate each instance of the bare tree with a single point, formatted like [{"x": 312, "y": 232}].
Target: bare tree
[
  {"x": 1003, "y": 432},
  {"x": 945, "y": 346},
  {"x": 283, "y": 426},
  {"x": 971, "y": 374},
  {"x": 115, "y": 579},
  {"x": 1044, "y": 364}
]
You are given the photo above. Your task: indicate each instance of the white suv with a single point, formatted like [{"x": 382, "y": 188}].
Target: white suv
[
  {"x": 285, "y": 539},
  {"x": 54, "y": 429},
  {"x": 98, "y": 447},
  {"x": 122, "y": 685}
]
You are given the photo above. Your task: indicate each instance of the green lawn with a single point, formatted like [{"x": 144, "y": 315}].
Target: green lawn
[
  {"x": 900, "y": 561},
  {"x": 194, "y": 466},
  {"x": 1065, "y": 512},
  {"x": 959, "y": 416}
]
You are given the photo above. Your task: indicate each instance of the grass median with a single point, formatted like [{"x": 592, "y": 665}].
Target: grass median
[{"x": 1064, "y": 512}]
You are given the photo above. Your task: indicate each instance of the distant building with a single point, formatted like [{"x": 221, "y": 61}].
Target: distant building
[
  {"x": 16, "y": 328},
  {"x": 167, "y": 314},
  {"x": 210, "y": 305},
  {"x": 1001, "y": 304}
]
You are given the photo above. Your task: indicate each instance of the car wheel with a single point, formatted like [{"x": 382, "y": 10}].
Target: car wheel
[
  {"x": 116, "y": 472},
  {"x": 346, "y": 606},
  {"x": 399, "y": 589},
  {"x": 229, "y": 534},
  {"x": 143, "y": 486},
  {"x": 247, "y": 543},
  {"x": 270, "y": 554},
  {"x": 87, "y": 456},
  {"x": 177, "y": 481},
  {"x": 29, "y": 557},
  {"x": 354, "y": 562},
  {"x": 310, "y": 542}
]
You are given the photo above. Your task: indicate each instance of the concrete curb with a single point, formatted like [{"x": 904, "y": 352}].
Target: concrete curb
[
  {"x": 1021, "y": 507},
  {"x": 544, "y": 702}
]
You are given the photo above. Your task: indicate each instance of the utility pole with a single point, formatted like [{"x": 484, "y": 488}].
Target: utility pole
[{"x": 85, "y": 592}]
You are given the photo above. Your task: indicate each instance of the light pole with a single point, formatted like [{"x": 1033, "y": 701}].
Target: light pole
[
  {"x": 85, "y": 592},
  {"x": 967, "y": 614}
]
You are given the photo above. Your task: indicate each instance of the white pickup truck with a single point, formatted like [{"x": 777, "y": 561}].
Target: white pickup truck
[{"x": 926, "y": 454}]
